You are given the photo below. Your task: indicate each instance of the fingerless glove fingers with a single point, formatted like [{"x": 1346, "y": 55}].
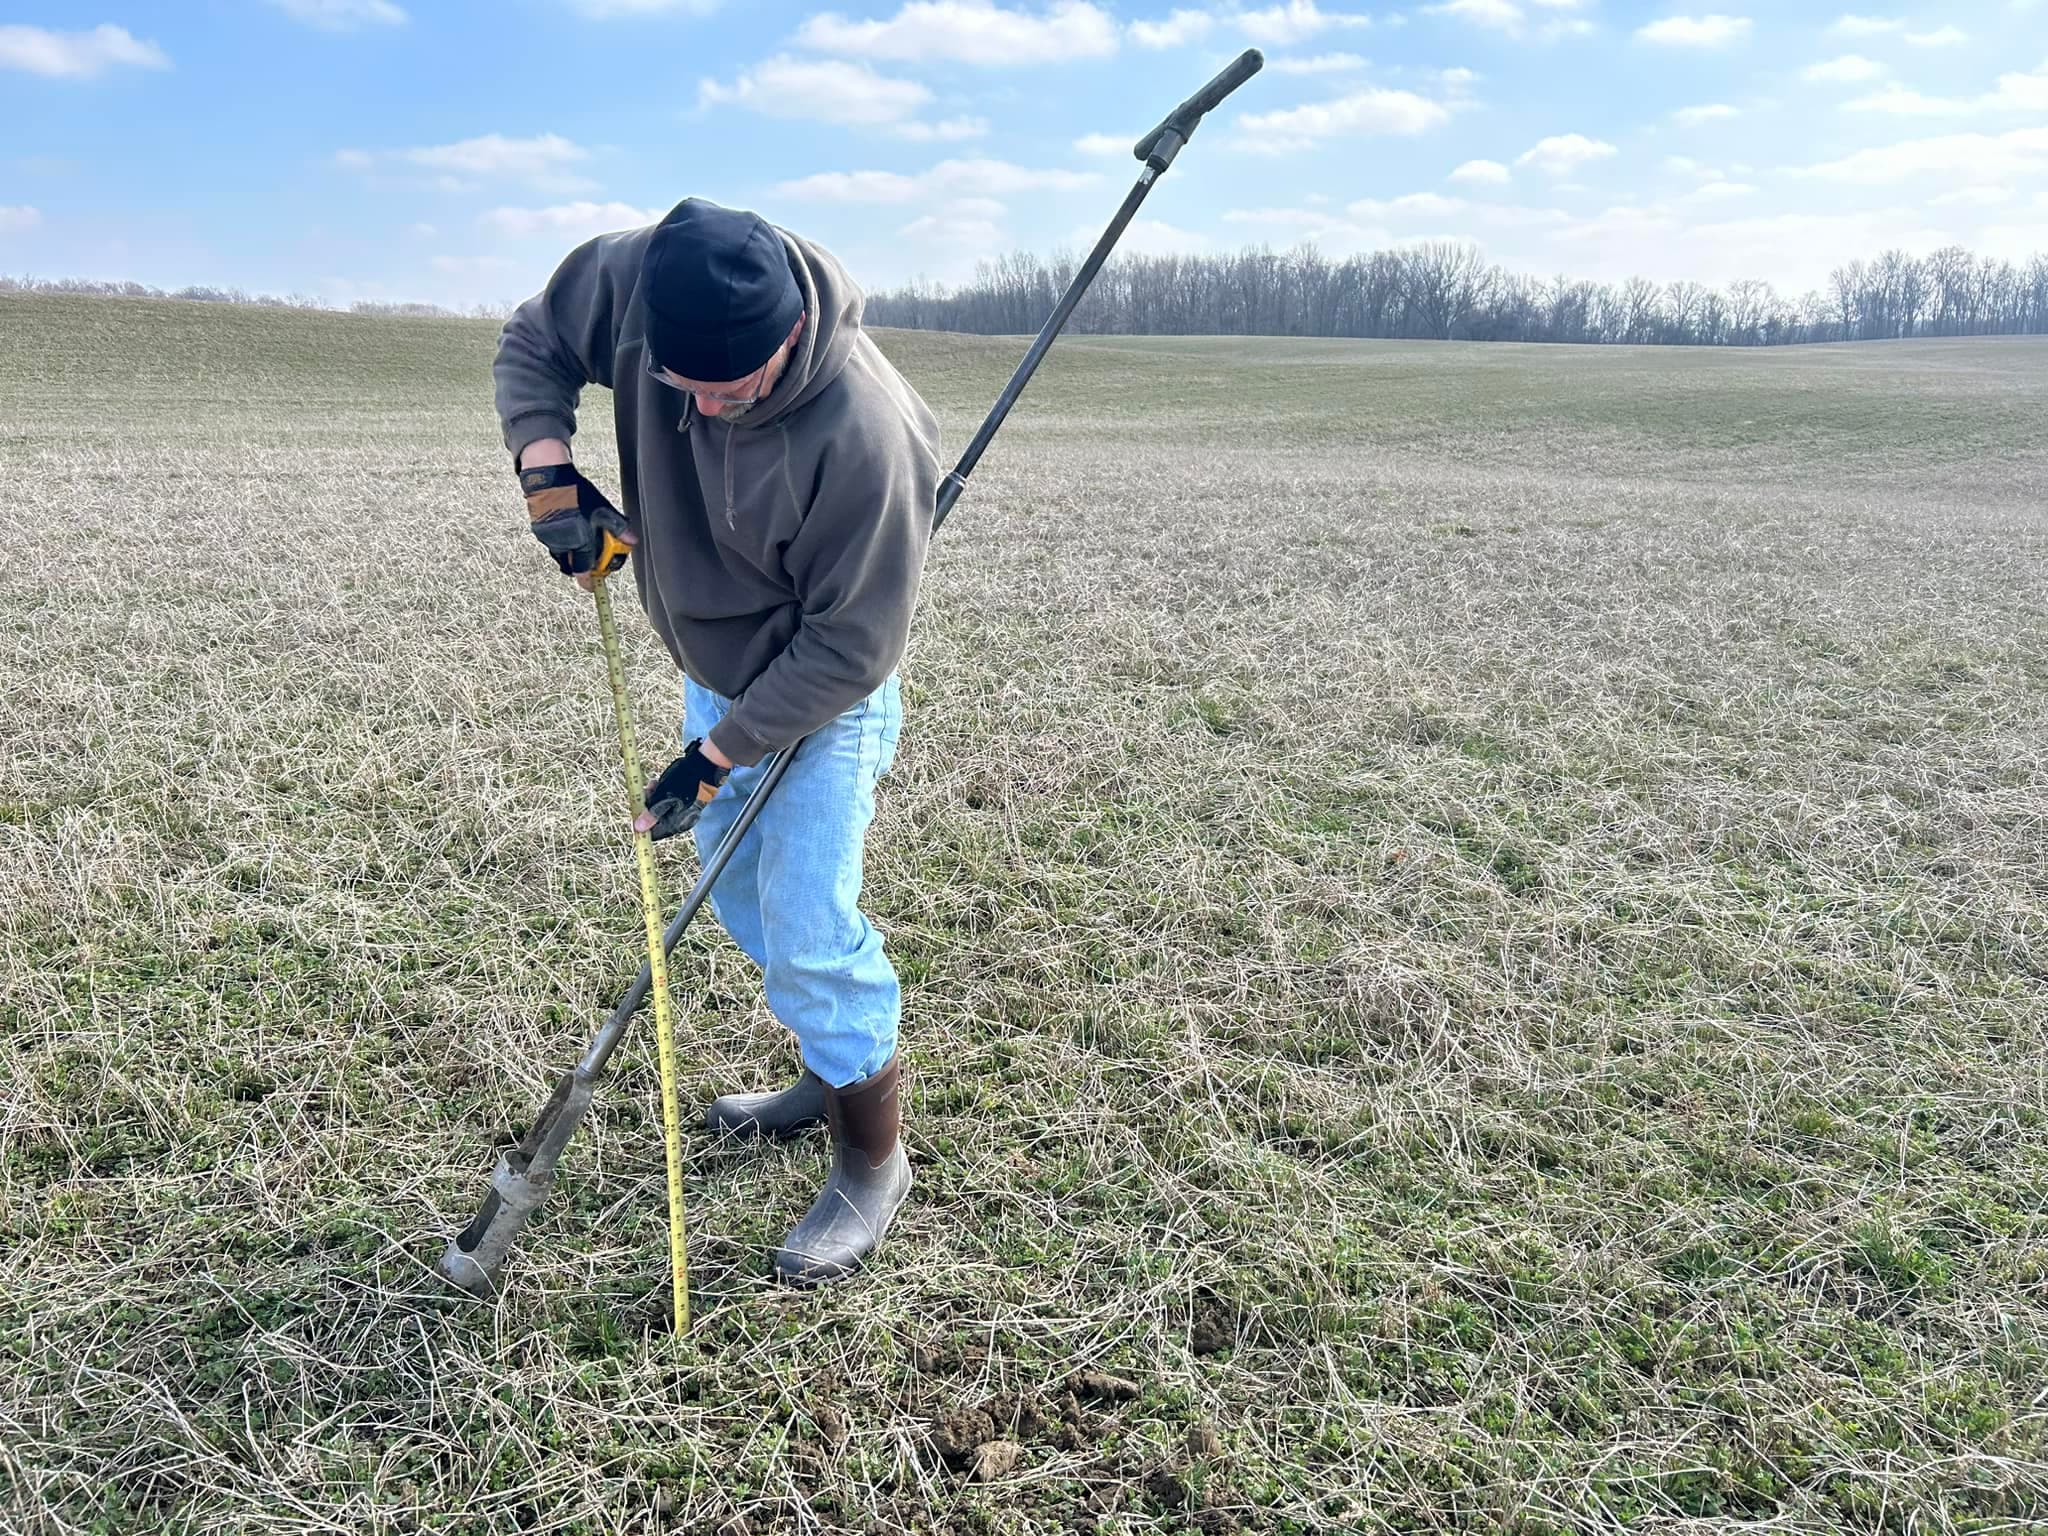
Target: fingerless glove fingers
[{"x": 678, "y": 797}]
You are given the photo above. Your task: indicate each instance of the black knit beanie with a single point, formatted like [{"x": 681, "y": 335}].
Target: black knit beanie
[{"x": 720, "y": 295}]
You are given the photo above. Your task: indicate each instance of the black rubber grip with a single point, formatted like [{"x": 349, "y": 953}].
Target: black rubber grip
[{"x": 1183, "y": 118}]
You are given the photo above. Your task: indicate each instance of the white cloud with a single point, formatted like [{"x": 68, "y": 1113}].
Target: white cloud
[
  {"x": 969, "y": 227},
  {"x": 978, "y": 236},
  {"x": 1716, "y": 191},
  {"x": 819, "y": 90},
  {"x": 854, "y": 187},
  {"x": 1321, "y": 64},
  {"x": 572, "y": 222},
  {"x": 1563, "y": 153},
  {"x": 2015, "y": 93},
  {"x": 1973, "y": 197},
  {"x": 1898, "y": 101},
  {"x": 492, "y": 154},
  {"x": 1713, "y": 111},
  {"x": 342, "y": 15},
  {"x": 606, "y": 10},
  {"x": 1148, "y": 237},
  {"x": 1940, "y": 37},
  {"x": 1458, "y": 79},
  {"x": 1845, "y": 70},
  {"x": 2024, "y": 93},
  {"x": 1794, "y": 250},
  {"x": 1510, "y": 17},
  {"x": 1425, "y": 205},
  {"x": 76, "y": 55},
  {"x": 949, "y": 130},
  {"x": 541, "y": 160},
  {"x": 1105, "y": 144},
  {"x": 1500, "y": 15},
  {"x": 1711, "y": 31},
  {"x": 1333, "y": 235},
  {"x": 15, "y": 219},
  {"x": 1975, "y": 158},
  {"x": 1295, "y": 21},
  {"x": 948, "y": 178},
  {"x": 2012, "y": 242},
  {"x": 1181, "y": 27},
  {"x": 970, "y": 32},
  {"x": 1373, "y": 111},
  {"x": 1488, "y": 172},
  {"x": 1685, "y": 165},
  {"x": 1866, "y": 26}
]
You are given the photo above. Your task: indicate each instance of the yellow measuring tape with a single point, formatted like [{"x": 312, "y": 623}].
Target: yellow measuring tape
[{"x": 657, "y": 957}]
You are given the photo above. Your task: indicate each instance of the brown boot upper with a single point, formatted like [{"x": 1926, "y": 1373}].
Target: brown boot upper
[{"x": 867, "y": 1116}]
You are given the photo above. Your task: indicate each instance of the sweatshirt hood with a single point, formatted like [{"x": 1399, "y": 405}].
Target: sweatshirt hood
[{"x": 832, "y": 310}]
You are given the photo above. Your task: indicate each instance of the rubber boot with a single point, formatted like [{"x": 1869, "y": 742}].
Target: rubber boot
[
  {"x": 870, "y": 1178},
  {"x": 778, "y": 1116}
]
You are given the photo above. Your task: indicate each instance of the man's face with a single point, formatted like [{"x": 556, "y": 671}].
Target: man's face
[
  {"x": 731, "y": 399},
  {"x": 735, "y": 395}
]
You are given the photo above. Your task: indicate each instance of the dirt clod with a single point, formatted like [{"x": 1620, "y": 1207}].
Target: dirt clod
[
  {"x": 960, "y": 1432},
  {"x": 1101, "y": 1387},
  {"x": 1022, "y": 1412},
  {"x": 832, "y": 1428},
  {"x": 996, "y": 1460},
  {"x": 1164, "y": 1487},
  {"x": 1076, "y": 1430},
  {"x": 1213, "y": 1328}
]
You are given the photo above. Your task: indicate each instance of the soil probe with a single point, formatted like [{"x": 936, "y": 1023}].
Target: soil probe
[{"x": 475, "y": 1258}]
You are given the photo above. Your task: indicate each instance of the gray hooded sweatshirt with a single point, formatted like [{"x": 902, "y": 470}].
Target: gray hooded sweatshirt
[{"x": 779, "y": 554}]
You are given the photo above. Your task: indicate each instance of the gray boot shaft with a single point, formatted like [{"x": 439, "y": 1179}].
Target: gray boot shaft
[
  {"x": 869, "y": 1180},
  {"x": 780, "y": 1115}
]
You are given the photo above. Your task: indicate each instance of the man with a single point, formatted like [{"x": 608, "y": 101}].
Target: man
[{"x": 778, "y": 478}]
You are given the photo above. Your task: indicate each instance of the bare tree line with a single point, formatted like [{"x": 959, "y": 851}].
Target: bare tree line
[
  {"x": 1445, "y": 290},
  {"x": 203, "y": 294},
  {"x": 1441, "y": 290}
]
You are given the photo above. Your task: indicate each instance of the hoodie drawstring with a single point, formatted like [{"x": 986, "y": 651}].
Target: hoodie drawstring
[
  {"x": 728, "y": 478},
  {"x": 690, "y": 410}
]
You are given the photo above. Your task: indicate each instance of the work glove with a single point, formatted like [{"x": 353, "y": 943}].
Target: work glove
[
  {"x": 570, "y": 516},
  {"x": 686, "y": 786}
]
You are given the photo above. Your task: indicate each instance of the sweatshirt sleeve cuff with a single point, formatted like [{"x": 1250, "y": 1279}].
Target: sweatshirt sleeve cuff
[
  {"x": 525, "y": 430},
  {"x": 738, "y": 743}
]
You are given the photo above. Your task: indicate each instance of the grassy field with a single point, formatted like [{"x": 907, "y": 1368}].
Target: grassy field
[{"x": 1473, "y": 920}]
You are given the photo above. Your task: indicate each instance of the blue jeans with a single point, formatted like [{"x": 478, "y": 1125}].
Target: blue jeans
[{"x": 791, "y": 896}]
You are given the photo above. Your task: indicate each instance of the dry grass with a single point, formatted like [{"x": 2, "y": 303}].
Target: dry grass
[{"x": 1474, "y": 926}]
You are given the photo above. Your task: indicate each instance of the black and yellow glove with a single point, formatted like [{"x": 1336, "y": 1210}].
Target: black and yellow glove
[
  {"x": 586, "y": 534},
  {"x": 686, "y": 786}
]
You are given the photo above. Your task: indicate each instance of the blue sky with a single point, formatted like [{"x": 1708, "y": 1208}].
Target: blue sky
[{"x": 453, "y": 150}]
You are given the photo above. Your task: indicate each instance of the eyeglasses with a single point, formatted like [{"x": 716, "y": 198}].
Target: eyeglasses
[{"x": 662, "y": 376}]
